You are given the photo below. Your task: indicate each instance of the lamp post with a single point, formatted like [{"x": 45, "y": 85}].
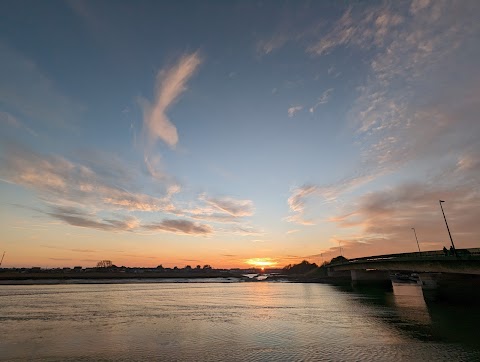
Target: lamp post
[
  {"x": 448, "y": 229},
  {"x": 416, "y": 239}
]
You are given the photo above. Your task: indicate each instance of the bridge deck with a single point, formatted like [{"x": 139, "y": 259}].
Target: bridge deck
[{"x": 467, "y": 261}]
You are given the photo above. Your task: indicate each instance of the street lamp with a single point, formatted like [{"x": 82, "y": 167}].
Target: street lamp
[
  {"x": 449, "y": 234},
  {"x": 416, "y": 239}
]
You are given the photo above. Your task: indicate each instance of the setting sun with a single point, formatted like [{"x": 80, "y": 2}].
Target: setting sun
[{"x": 261, "y": 262}]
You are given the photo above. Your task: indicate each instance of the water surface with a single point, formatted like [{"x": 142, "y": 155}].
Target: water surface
[{"x": 259, "y": 321}]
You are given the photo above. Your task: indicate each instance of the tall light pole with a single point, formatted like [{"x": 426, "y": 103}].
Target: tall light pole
[
  {"x": 416, "y": 239},
  {"x": 449, "y": 234}
]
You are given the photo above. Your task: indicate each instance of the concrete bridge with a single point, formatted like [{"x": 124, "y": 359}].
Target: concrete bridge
[
  {"x": 467, "y": 261},
  {"x": 434, "y": 269}
]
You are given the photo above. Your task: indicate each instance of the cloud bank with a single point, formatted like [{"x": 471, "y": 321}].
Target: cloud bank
[
  {"x": 98, "y": 194},
  {"x": 403, "y": 112}
]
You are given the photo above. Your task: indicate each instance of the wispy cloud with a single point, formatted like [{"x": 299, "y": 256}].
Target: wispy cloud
[
  {"x": 297, "y": 202},
  {"x": 180, "y": 227},
  {"x": 12, "y": 121},
  {"x": 78, "y": 217},
  {"x": 267, "y": 46},
  {"x": 362, "y": 28},
  {"x": 74, "y": 250},
  {"x": 299, "y": 197},
  {"x": 244, "y": 230},
  {"x": 170, "y": 84},
  {"x": 468, "y": 161},
  {"x": 208, "y": 215},
  {"x": 61, "y": 181},
  {"x": 403, "y": 112},
  {"x": 223, "y": 210},
  {"x": 384, "y": 219},
  {"x": 285, "y": 30},
  {"x": 392, "y": 126},
  {"x": 323, "y": 99},
  {"x": 77, "y": 194},
  {"x": 68, "y": 181},
  {"x": 292, "y": 110},
  {"x": 229, "y": 205}
]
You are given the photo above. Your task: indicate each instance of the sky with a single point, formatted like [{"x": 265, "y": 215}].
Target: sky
[{"x": 236, "y": 133}]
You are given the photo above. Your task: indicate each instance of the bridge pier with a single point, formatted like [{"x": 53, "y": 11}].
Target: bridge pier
[
  {"x": 370, "y": 277},
  {"x": 461, "y": 288},
  {"x": 428, "y": 281}
]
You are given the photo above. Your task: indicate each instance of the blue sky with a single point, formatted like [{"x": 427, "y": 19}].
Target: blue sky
[{"x": 231, "y": 132}]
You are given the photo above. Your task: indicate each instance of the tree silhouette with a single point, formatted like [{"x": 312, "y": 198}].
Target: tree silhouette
[
  {"x": 104, "y": 264},
  {"x": 302, "y": 268}
]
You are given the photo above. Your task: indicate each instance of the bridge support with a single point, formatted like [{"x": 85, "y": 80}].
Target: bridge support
[
  {"x": 370, "y": 277},
  {"x": 462, "y": 288},
  {"x": 428, "y": 281}
]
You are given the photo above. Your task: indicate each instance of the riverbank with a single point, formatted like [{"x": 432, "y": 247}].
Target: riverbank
[{"x": 39, "y": 276}]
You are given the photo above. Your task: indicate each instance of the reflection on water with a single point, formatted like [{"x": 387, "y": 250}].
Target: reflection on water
[
  {"x": 410, "y": 303},
  {"x": 229, "y": 321}
]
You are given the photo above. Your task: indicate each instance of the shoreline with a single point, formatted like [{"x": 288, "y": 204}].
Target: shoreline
[{"x": 46, "y": 278}]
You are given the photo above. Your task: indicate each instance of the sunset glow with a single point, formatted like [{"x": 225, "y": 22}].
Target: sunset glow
[
  {"x": 261, "y": 262},
  {"x": 178, "y": 134}
]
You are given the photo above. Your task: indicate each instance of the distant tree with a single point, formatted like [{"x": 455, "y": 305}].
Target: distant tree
[
  {"x": 188, "y": 267},
  {"x": 160, "y": 267},
  {"x": 104, "y": 264},
  {"x": 338, "y": 259},
  {"x": 207, "y": 267},
  {"x": 198, "y": 267},
  {"x": 175, "y": 268},
  {"x": 302, "y": 268}
]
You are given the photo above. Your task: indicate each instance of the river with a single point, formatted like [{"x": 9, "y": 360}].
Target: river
[{"x": 256, "y": 321}]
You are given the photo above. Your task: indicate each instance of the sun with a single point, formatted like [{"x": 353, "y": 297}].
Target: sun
[{"x": 261, "y": 262}]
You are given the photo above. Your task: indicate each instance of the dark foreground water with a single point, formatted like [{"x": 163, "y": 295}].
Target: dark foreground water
[{"x": 259, "y": 321}]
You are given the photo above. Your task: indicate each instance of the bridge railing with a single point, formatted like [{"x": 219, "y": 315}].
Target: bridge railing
[{"x": 404, "y": 256}]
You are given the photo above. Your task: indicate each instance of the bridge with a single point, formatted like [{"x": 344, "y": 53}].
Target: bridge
[
  {"x": 467, "y": 261},
  {"x": 450, "y": 276}
]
